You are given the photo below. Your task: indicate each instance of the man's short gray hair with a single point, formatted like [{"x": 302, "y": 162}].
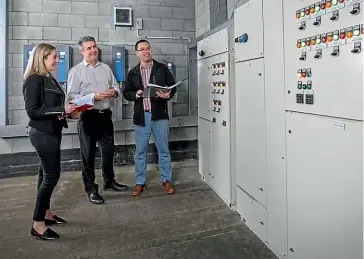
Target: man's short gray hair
[{"x": 85, "y": 39}]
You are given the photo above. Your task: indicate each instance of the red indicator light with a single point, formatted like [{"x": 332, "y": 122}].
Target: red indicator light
[
  {"x": 341, "y": 1},
  {"x": 342, "y": 35},
  {"x": 303, "y": 74},
  {"x": 308, "y": 43},
  {"x": 323, "y": 39},
  {"x": 323, "y": 6},
  {"x": 307, "y": 11}
]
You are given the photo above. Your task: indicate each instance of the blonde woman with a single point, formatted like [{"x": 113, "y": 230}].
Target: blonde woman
[{"x": 45, "y": 105}]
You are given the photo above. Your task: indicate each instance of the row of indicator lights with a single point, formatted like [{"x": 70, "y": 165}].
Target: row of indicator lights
[
  {"x": 329, "y": 37},
  {"x": 216, "y": 102},
  {"x": 308, "y": 86},
  {"x": 303, "y": 73},
  {"x": 217, "y": 65},
  {"x": 218, "y": 83},
  {"x": 317, "y": 8}
]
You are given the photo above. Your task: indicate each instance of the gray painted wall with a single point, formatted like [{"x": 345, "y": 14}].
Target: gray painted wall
[{"x": 64, "y": 21}]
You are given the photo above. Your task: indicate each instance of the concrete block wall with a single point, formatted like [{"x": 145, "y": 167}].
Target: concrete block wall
[
  {"x": 65, "y": 21},
  {"x": 202, "y": 16},
  {"x": 202, "y": 12}
]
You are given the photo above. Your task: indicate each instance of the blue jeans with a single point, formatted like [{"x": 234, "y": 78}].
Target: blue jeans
[{"x": 159, "y": 129}]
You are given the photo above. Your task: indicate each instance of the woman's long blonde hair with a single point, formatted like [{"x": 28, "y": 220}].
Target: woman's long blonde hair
[{"x": 36, "y": 60}]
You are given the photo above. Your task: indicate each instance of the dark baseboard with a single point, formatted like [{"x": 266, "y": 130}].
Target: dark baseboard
[{"x": 27, "y": 163}]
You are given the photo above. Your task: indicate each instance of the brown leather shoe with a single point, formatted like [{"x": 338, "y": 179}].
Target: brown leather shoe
[
  {"x": 138, "y": 189},
  {"x": 168, "y": 187}
]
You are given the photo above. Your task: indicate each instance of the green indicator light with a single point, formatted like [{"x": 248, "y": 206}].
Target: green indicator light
[
  {"x": 317, "y": 8},
  {"x": 302, "y": 14},
  {"x": 303, "y": 44},
  {"x": 308, "y": 74},
  {"x": 336, "y": 37},
  {"x": 299, "y": 86},
  {"x": 318, "y": 41},
  {"x": 309, "y": 86},
  {"x": 334, "y": 2},
  {"x": 357, "y": 32}
]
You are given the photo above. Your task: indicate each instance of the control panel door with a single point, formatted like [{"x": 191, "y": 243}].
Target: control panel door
[
  {"x": 248, "y": 30},
  {"x": 250, "y": 128}
]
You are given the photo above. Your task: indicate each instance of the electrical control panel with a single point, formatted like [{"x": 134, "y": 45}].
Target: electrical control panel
[
  {"x": 214, "y": 108},
  {"x": 324, "y": 58},
  {"x": 64, "y": 53},
  {"x": 27, "y": 50},
  {"x": 323, "y": 61},
  {"x": 118, "y": 62},
  {"x": 250, "y": 116}
]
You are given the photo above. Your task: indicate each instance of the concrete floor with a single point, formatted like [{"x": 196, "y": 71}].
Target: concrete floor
[{"x": 193, "y": 223}]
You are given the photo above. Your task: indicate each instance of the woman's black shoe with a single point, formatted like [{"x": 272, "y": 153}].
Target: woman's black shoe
[
  {"x": 49, "y": 234},
  {"x": 55, "y": 221}
]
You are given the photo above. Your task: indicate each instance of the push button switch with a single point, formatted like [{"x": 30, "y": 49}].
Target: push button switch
[
  {"x": 309, "y": 98},
  {"x": 299, "y": 98}
]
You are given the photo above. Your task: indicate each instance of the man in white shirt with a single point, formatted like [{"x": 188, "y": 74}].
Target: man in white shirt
[{"x": 95, "y": 124}]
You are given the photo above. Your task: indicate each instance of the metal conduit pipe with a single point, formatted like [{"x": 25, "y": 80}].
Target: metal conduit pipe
[{"x": 162, "y": 37}]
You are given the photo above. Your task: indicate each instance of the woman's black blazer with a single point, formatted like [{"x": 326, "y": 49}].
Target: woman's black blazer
[{"x": 44, "y": 103}]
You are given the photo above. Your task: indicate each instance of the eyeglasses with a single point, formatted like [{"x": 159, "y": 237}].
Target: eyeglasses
[{"x": 144, "y": 49}]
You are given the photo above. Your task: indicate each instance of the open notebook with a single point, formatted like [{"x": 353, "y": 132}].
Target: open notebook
[
  {"x": 151, "y": 89},
  {"x": 85, "y": 102}
]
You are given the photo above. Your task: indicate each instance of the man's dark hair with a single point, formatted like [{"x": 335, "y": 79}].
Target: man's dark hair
[{"x": 140, "y": 41}]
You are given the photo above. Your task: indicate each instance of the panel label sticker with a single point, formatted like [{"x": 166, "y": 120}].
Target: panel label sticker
[{"x": 339, "y": 125}]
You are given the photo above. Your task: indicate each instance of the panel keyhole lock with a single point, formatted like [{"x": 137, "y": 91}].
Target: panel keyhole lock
[
  {"x": 201, "y": 53},
  {"x": 318, "y": 21},
  {"x": 291, "y": 249},
  {"x": 224, "y": 123},
  {"x": 318, "y": 54},
  {"x": 356, "y": 9},
  {"x": 213, "y": 119},
  {"x": 335, "y": 16},
  {"x": 242, "y": 38},
  {"x": 357, "y": 48},
  {"x": 336, "y": 51},
  {"x": 303, "y": 56}
]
